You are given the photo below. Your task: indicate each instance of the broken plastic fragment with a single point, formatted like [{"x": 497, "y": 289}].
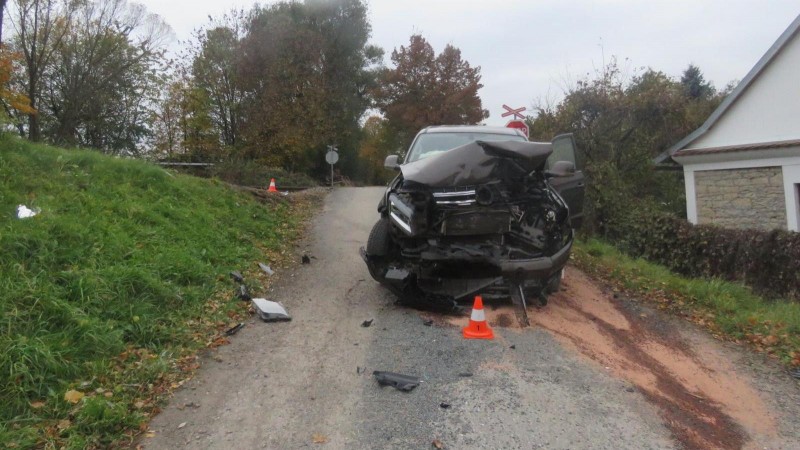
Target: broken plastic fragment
[
  {"x": 244, "y": 293},
  {"x": 305, "y": 259},
  {"x": 444, "y": 405},
  {"x": 367, "y": 323},
  {"x": 23, "y": 212},
  {"x": 235, "y": 329},
  {"x": 396, "y": 380},
  {"x": 237, "y": 276},
  {"x": 266, "y": 269},
  {"x": 270, "y": 311}
]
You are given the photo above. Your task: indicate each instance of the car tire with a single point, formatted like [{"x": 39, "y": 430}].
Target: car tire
[
  {"x": 379, "y": 240},
  {"x": 378, "y": 249},
  {"x": 555, "y": 283}
]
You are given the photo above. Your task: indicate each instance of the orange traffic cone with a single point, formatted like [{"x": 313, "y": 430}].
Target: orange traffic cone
[
  {"x": 478, "y": 328},
  {"x": 272, "y": 187}
]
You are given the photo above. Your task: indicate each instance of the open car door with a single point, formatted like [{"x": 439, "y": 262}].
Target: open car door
[{"x": 570, "y": 187}]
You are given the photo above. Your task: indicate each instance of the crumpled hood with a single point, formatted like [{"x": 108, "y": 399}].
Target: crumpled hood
[{"x": 477, "y": 163}]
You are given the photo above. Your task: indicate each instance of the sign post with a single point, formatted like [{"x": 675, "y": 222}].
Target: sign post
[{"x": 331, "y": 158}]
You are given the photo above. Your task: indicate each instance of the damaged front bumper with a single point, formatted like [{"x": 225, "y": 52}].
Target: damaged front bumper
[{"x": 438, "y": 279}]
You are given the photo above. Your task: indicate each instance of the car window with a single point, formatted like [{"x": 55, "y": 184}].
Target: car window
[
  {"x": 563, "y": 150},
  {"x": 430, "y": 144}
]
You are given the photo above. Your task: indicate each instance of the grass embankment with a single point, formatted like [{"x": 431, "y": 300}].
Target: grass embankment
[
  {"x": 730, "y": 310},
  {"x": 108, "y": 292}
]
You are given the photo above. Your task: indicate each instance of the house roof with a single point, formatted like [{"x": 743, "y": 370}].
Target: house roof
[
  {"x": 776, "y": 48},
  {"x": 738, "y": 148}
]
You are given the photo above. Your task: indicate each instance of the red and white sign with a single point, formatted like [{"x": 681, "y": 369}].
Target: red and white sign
[
  {"x": 520, "y": 125},
  {"x": 517, "y": 113}
]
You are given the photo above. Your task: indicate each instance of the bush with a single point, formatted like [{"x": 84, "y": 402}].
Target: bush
[{"x": 768, "y": 261}]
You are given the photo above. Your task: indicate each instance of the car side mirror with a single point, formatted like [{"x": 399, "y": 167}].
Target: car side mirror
[
  {"x": 392, "y": 162},
  {"x": 561, "y": 169}
]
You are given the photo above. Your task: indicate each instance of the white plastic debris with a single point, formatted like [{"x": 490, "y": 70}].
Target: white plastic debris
[
  {"x": 23, "y": 212},
  {"x": 270, "y": 311},
  {"x": 266, "y": 269}
]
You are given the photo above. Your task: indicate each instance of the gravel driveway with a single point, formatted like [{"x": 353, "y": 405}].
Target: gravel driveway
[{"x": 592, "y": 372}]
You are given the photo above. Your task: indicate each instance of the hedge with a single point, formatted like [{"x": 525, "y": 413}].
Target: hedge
[{"x": 767, "y": 261}]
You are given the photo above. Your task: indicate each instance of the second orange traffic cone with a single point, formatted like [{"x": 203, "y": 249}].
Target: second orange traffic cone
[
  {"x": 478, "y": 328},
  {"x": 272, "y": 187}
]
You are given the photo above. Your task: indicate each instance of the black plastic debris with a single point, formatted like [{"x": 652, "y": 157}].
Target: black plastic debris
[
  {"x": 513, "y": 347},
  {"x": 367, "y": 323},
  {"x": 465, "y": 374},
  {"x": 428, "y": 322},
  {"x": 360, "y": 370},
  {"x": 244, "y": 293},
  {"x": 795, "y": 373},
  {"x": 237, "y": 276},
  {"x": 306, "y": 259},
  {"x": 444, "y": 405},
  {"x": 266, "y": 269},
  {"x": 235, "y": 329},
  {"x": 398, "y": 381}
]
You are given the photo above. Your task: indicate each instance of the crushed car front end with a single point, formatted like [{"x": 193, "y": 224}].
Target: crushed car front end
[{"x": 478, "y": 219}]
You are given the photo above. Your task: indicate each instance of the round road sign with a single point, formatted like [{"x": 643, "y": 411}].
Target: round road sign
[{"x": 332, "y": 157}]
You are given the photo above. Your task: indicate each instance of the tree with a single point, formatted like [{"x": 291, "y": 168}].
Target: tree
[
  {"x": 694, "y": 84},
  {"x": 213, "y": 70},
  {"x": 98, "y": 91},
  {"x": 424, "y": 89},
  {"x": 40, "y": 26},
  {"x": 620, "y": 124},
  {"x": 2, "y": 17},
  {"x": 306, "y": 69}
]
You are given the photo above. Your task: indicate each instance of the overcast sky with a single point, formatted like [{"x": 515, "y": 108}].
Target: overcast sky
[{"x": 529, "y": 50}]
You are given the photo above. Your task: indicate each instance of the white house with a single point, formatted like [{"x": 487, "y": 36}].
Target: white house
[{"x": 742, "y": 166}]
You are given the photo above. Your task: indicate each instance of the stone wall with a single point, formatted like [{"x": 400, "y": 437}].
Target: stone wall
[{"x": 741, "y": 198}]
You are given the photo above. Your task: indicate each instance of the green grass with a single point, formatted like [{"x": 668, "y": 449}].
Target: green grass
[
  {"x": 729, "y": 309},
  {"x": 110, "y": 285}
]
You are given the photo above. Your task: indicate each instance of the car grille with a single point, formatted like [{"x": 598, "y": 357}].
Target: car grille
[{"x": 463, "y": 196}]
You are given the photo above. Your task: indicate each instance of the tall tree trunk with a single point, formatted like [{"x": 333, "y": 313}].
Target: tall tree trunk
[{"x": 33, "y": 118}]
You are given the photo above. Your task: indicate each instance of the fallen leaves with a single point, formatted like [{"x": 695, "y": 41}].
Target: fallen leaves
[
  {"x": 73, "y": 396},
  {"x": 37, "y": 404},
  {"x": 318, "y": 438},
  {"x": 437, "y": 444}
]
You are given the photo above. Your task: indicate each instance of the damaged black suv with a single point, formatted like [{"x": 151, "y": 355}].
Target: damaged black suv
[{"x": 477, "y": 210}]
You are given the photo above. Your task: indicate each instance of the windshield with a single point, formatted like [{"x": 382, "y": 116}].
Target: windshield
[{"x": 430, "y": 144}]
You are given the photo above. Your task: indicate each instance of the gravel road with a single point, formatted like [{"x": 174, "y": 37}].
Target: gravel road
[{"x": 592, "y": 372}]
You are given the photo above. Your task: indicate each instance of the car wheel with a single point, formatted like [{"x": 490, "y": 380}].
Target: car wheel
[
  {"x": 378, "y": 242},
  {"x": 378, "y": 249},
  {"x": 555, "y": 283}
]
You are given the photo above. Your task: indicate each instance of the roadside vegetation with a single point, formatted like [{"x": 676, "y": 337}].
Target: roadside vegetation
[
  {"x": 107, "y": 293},
  {"x": 729, "y": 310}
]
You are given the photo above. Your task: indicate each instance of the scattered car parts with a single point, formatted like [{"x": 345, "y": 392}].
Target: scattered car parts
[
  {"x": 270, "y": 311},
  {"x": 398, "y": 381}
]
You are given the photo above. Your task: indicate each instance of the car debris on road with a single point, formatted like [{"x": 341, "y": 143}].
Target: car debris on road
[
  {"x": 267, "y": 269},
  {"x": 237, "y": 276},
  {"x": 270, "y": 311},
  {"x": 401, "y": 382},
  {"x": 234, "y": 329}
]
